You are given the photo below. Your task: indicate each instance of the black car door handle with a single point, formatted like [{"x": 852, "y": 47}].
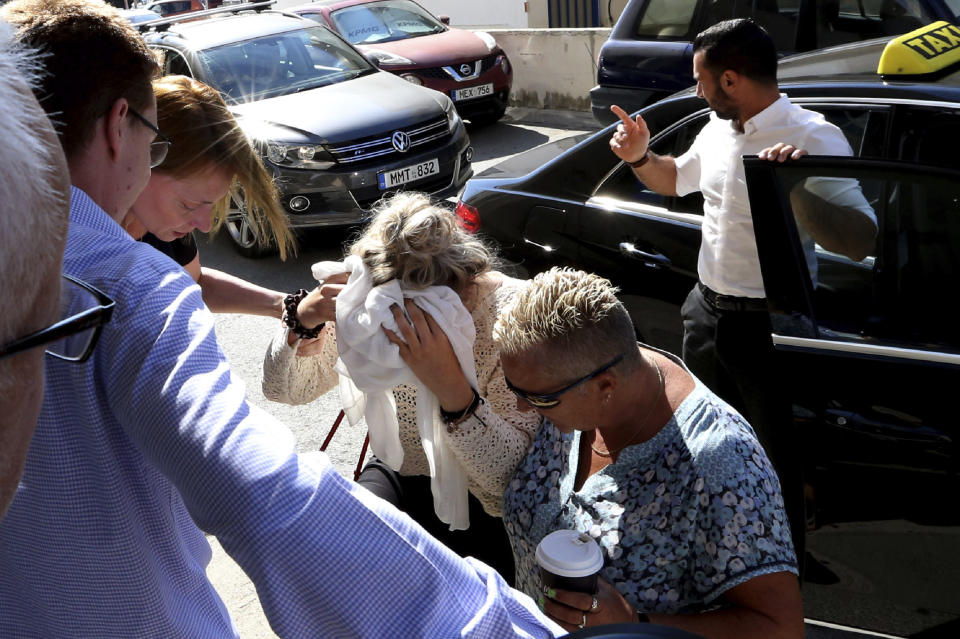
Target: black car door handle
[{"x": 653, "y": 260}]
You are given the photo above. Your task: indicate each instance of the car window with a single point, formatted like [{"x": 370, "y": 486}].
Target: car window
[
  {"x": 384, "y": 22},
  {"x": 842, "y": 21},
  {"x": 316, "y": 17},
  {"x": 778, "y": 17},
  {"x": 176, "y": 64},
  {"x": 667, "y": 20},
  {"x": 172, "y": 62},
  {"x": 622, "y": 184},
  {"x": 923, "y": 135},
  {"x": 280, "y": 64},
  {"x": 170, "y": 8},
  {"x": 892, "y": 295},
  {"x": 854, "y": 121}
]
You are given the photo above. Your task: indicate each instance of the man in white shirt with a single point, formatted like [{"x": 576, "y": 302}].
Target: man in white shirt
[{"x": 735, "y": 65}]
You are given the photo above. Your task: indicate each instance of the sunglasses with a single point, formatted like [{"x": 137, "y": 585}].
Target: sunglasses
[
  {"x": 552, "y": 400},
  {"x": 160, "y": 146}
]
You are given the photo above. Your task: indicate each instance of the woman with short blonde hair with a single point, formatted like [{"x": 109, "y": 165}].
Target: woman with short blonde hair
[{"x": 641, "y": 457}]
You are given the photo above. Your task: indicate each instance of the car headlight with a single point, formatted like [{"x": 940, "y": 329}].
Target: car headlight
[
  {"x": 299, "y": 156},
  {"x": 450, "y": 110},
  {"x": 412, "y": 79},
  {"x": 386, "y": 59},
  {"x": 487, "y": 39},
  {"x": 505, "y": 64}
]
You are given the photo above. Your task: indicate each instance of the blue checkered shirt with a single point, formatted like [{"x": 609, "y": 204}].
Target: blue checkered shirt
[{"x": 152, "y": 442}]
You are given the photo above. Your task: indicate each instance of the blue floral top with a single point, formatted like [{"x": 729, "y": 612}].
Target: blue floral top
[{"x": 681, "y": 518}]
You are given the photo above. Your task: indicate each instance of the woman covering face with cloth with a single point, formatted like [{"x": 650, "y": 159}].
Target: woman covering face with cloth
[{"x": 415, "y": 246}]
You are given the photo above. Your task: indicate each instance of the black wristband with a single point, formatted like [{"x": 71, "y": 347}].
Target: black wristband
[
  {"x": 455, "y": 417},
  {"x": 643, "y": 617},
  {"x": 290, "y": 319},
  {"x": 641, "y": 161}
]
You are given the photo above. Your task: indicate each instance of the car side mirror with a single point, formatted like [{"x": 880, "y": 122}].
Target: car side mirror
[
  {"x": 372, "y": 59},
  {"x": 444, "y": 19}
]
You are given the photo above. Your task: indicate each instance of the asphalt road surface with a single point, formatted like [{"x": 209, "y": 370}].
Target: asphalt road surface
[{"x": 244, "y": 339}]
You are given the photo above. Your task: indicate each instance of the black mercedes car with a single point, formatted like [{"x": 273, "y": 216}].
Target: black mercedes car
[
  {"x": 870, "y": 344},
  {"x": 337, "y": 133}
]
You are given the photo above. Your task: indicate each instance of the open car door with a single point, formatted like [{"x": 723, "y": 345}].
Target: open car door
[{"x": 868, "y": 342}]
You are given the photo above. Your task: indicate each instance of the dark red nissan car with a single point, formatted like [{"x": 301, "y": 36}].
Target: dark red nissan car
[{"x": 421, "y": 48}]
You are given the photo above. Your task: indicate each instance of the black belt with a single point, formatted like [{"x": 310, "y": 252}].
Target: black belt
[{"x": 731, "y": 302}]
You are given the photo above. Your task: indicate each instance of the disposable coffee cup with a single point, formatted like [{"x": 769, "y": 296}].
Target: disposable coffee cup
[{"x": 569, "y": 560}]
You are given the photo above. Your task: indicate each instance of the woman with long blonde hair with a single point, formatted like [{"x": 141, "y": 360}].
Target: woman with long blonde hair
[{"x": 209, "y": 158}]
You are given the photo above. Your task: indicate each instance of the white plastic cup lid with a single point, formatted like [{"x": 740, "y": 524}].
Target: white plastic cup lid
[{"x": 568, "y": 553}]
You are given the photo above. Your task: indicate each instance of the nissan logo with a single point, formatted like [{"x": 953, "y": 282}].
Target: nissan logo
[
  {"x": 465, "y": 69},
  {"x": 400, "y": 141}
]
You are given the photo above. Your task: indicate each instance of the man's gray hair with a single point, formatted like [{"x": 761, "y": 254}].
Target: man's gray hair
[
  {"x": 31, "y": 212},
  {"x": 571, "y": 320}
]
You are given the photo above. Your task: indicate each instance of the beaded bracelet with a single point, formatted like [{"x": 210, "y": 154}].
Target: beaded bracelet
[
  {"x": 453, "y": 418},
  {"x": 290, "y": 319}
]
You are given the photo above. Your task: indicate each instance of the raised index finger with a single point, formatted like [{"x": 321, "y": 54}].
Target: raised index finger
[{"x": 623, "y": 115}]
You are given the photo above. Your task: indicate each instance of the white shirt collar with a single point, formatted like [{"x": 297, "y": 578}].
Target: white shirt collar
[{"x": 772, "y": 113}]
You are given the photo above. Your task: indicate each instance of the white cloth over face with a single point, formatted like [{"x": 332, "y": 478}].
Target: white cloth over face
[{"x": 370, "y": 366}]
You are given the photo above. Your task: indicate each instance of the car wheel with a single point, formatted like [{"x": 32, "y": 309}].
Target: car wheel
[{"x": 243, "y": 235}]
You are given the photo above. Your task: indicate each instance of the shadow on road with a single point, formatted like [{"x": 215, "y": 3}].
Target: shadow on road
[
  {"x": 314, "y": 245},
  {"x": 503, "y": 139}
]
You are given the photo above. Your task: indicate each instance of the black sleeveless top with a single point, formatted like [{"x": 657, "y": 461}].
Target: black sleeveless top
[{"x": 182, "y": 250}]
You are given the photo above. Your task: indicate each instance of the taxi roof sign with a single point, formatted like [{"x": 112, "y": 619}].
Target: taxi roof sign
[{"x": 925, "y": 50}]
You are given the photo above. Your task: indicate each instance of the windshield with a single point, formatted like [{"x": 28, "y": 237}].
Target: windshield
[
  {"x": 280, "y": 64},
  {"x": 385, "y": 22}
]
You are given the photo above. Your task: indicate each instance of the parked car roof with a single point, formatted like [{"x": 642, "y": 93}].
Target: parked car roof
[{"x": 227, "y": 28}]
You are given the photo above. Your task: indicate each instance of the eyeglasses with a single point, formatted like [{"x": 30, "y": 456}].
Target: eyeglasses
[
  {"x": 83, "y": 312},
  {"x": 160, "y": 146},
  {"x": 551, "y": 400}
]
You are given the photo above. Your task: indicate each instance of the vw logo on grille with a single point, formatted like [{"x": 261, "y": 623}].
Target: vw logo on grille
[
  {"x": 400, "y": 141},
  {"x": 465, "y": 69}
]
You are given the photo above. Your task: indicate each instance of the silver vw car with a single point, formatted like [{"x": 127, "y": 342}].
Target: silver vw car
[{"x": 337, "y": 132}]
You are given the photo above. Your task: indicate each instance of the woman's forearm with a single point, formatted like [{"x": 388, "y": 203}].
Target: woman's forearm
[{"x": 225, "y": 293}]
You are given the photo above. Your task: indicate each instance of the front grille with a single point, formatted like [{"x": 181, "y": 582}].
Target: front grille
[
  {"x": 438, "y": 73},
  {"x": 487, "y": 63},
  {"x": 380, "y": 146}
]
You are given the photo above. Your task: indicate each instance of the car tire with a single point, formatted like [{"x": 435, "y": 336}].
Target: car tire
[{"x": 244, "y": 237}]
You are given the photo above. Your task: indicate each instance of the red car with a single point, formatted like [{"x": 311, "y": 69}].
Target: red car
[{"x": 409, "y": 41}]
